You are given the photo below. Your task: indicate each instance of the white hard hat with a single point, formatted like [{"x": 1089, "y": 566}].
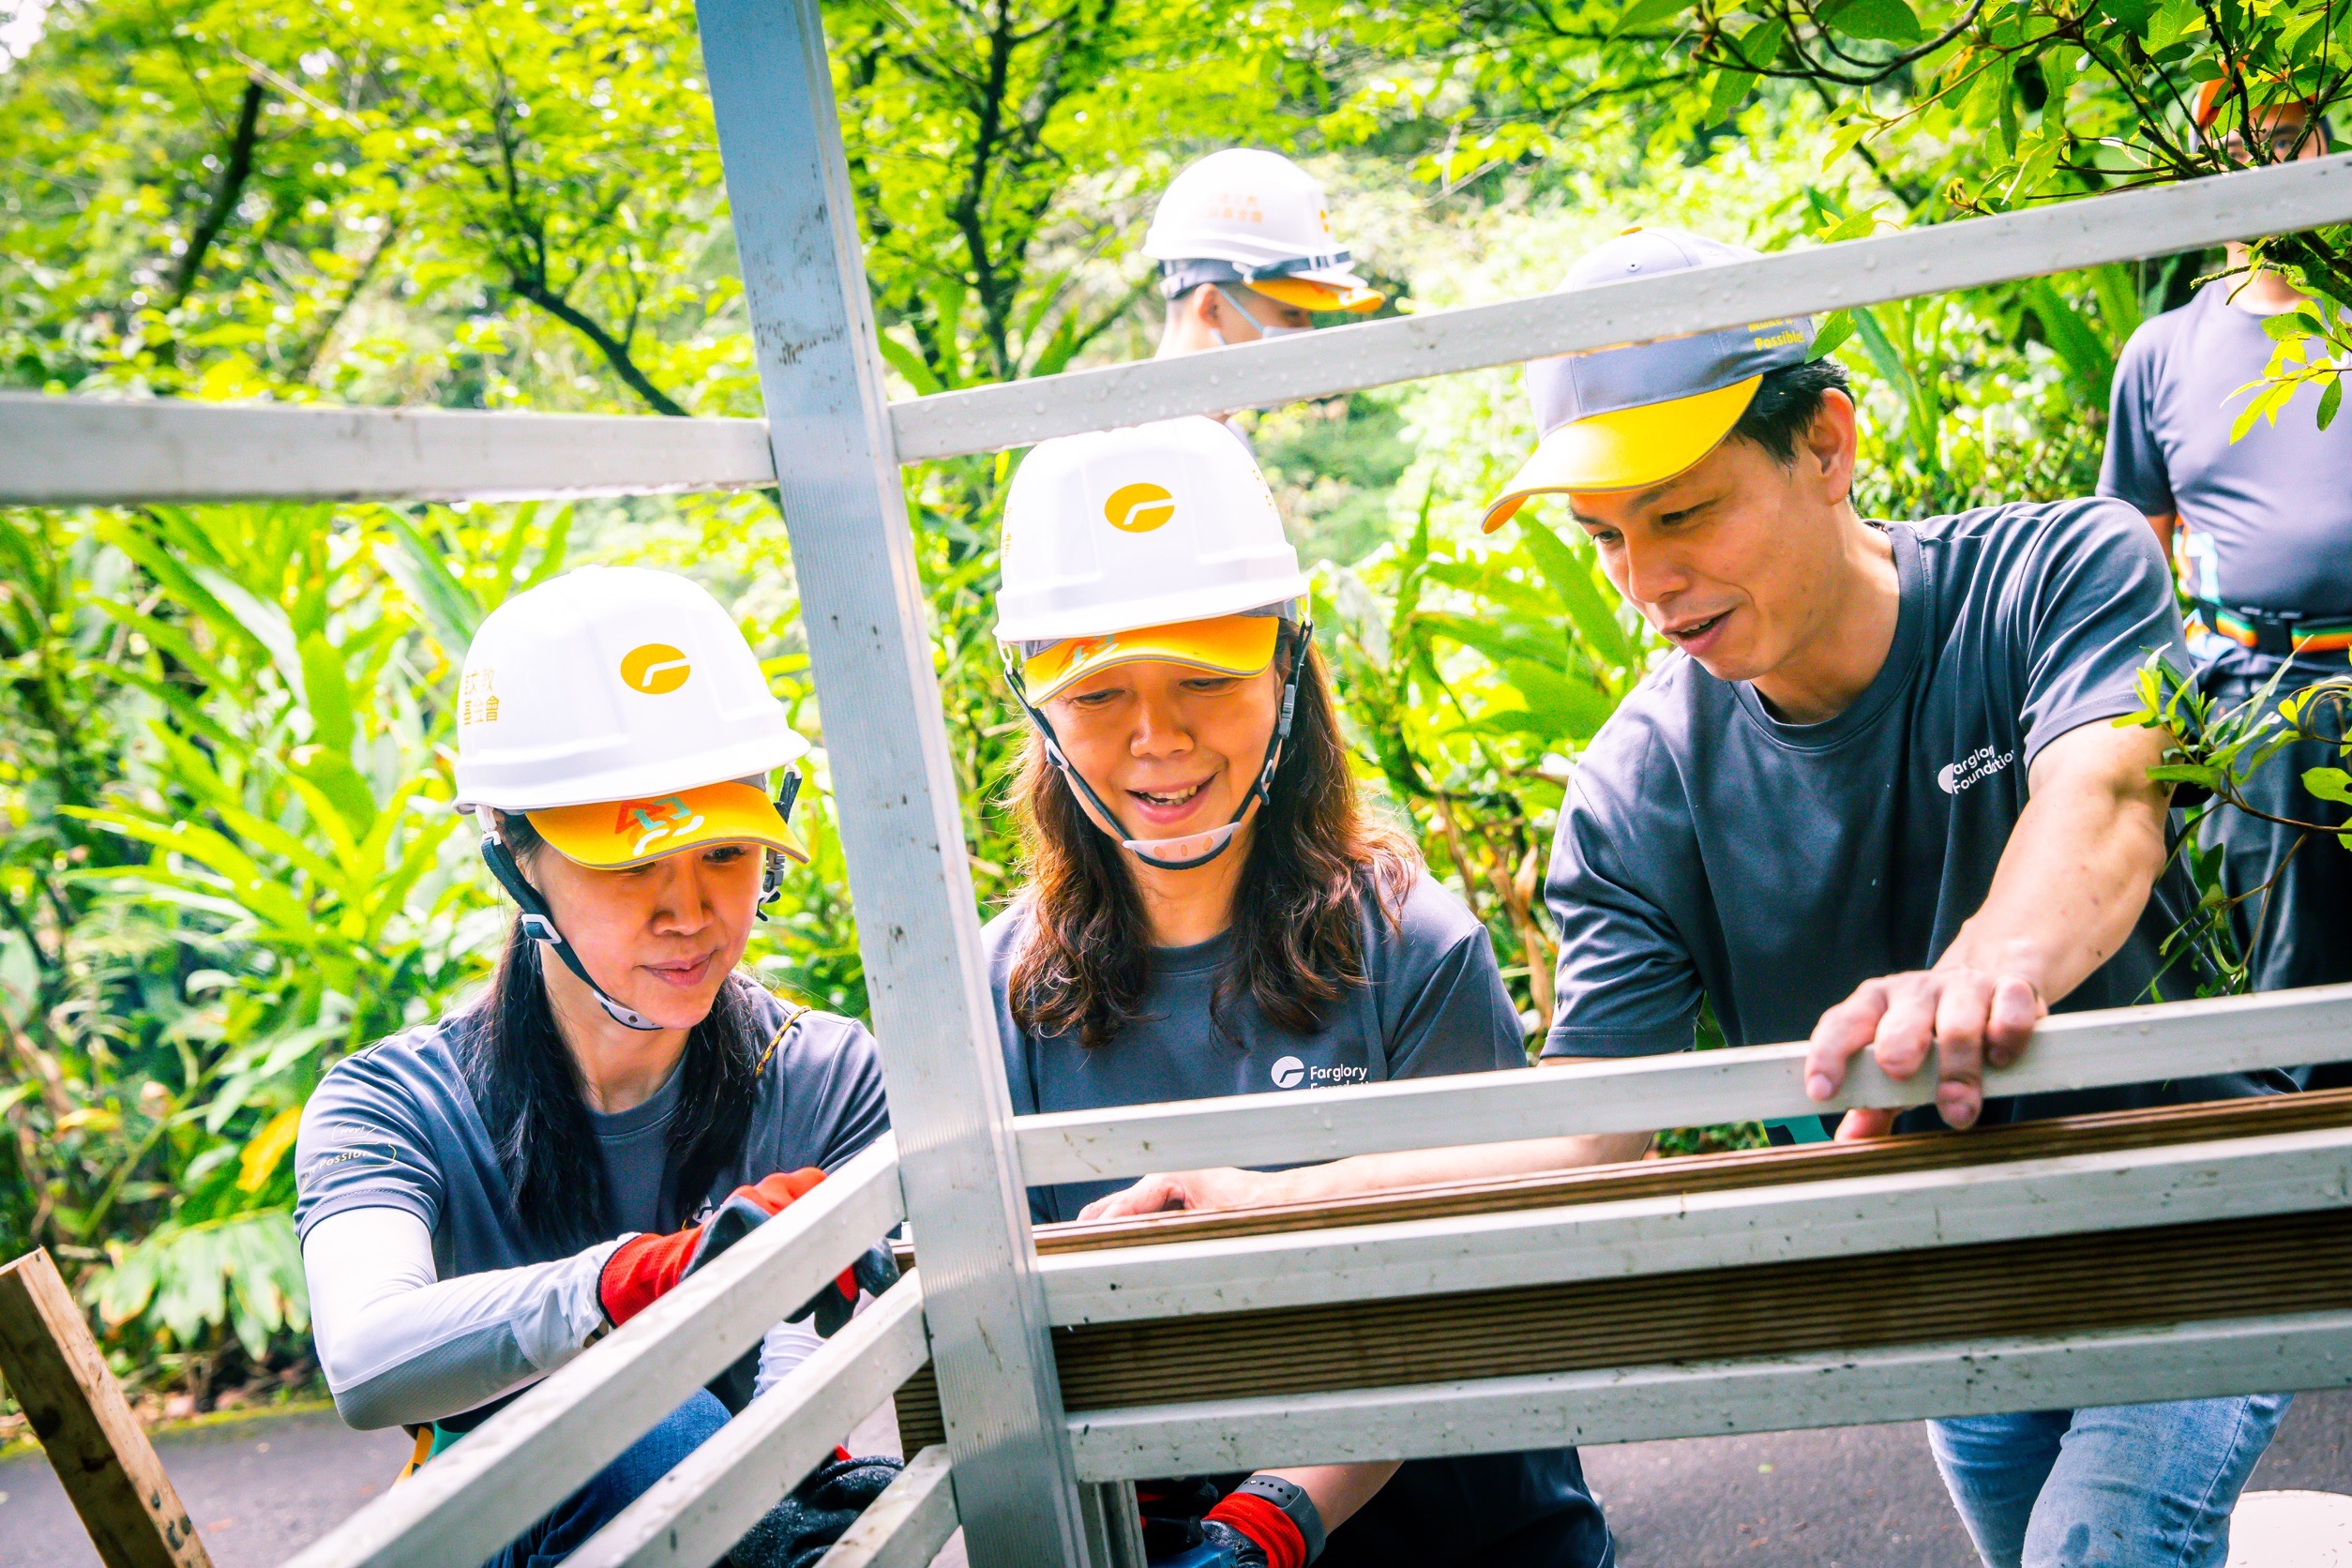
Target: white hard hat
[
  {"x": 612, "y": 684},
  {"x": 1254, "y": 217},
  {"x": 1146, "y": 526}
]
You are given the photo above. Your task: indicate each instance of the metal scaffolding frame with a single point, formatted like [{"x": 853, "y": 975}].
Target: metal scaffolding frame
[{"x": 1029, "y": 1484}]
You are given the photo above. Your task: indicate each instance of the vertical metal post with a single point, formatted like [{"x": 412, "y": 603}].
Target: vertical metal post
[{"x": 862, "y": 603}]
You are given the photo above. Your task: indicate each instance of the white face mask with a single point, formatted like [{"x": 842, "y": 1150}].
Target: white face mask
[{"x": 1264, "y": 330}]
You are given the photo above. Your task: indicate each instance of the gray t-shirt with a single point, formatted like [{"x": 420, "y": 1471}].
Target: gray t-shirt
[
  {"x": 1705, "y": 847},
  {"x": 1435, "y": 1003},
  {"x": 396, "y": 1126},
  {"x": 2266, "y": 520},
  {"x": 634, "y": 1148}
]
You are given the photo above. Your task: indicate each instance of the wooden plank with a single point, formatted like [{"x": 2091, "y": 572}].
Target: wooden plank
[
  {"x": 101, "y": 1456},
  {"x": 2082, "y": 1283},
  {"x": 1684, "y": 1176},
  {"x": 2237, "y": 1178},
  {"x": 1699, "y": 1400},
  {"x": 1691, "y": 1089}
]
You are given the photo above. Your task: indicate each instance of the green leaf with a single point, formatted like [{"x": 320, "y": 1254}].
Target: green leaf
[
  {"x": 2090, "y": 368},
  {"x": 333, "y": 725},
  {"x": 1879, "y": 21},
  {"x": 423, "y": 571},
  {"x": 1831, "y": 336},
  {"x": 2333, "y": 784},
  {"x": 1731, "y": 89},
  {"x": 2331, "y": 399},
  {"x": 909, "y": 364},
  {"x": 1569, "y": 574},
  {"x": 1565, "y": 709},
  {"x": 1648, "y": 13}
]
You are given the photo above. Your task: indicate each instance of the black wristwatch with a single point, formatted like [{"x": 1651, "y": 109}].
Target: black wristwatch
[{"x": 1294, "y": 1502}]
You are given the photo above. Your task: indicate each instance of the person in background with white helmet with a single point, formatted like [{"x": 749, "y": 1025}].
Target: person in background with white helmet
[
  {"x": 1212, "y": 911},
  {"x": 481, "y": 1198},
  {"x": 1245, "y": 251}
]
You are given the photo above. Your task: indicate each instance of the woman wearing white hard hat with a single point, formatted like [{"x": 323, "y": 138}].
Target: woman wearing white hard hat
[
  {"x": 482, "y": 1197},
  {"x": 1245, "y": 251},
  {"x": 1212, "y": 911}
]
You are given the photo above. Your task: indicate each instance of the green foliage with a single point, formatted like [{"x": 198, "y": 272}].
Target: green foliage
[
  {"x": 223, "y": 732},
  {"x": 2214, "y": 749}
]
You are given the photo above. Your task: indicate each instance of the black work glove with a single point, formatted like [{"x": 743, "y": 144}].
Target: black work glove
[
  {"x": 874, "y": 1272},
  {"x": 796, "y": 1532}
]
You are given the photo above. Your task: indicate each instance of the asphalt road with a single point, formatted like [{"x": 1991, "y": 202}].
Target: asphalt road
[{"x": 1866, "y": 1497}]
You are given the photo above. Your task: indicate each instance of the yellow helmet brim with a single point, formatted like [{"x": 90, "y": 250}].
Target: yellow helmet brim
[
  {"x": 1308, "y": 294},
  {"x": 612, "y": 834},
  {"x": 1628, "y": 448},
  {"x": 1224, "y": 645}
]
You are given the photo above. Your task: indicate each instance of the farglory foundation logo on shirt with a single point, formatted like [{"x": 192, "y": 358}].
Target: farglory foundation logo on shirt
[
  {"x": 1982, "y": 762},
  {"x": 1290, "y": 1072}
]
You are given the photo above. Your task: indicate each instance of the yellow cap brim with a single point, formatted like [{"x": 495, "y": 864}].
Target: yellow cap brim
[
  {"x": 1226, "y": 645},
  {"x": 1629, "y": 449},
  {"x": 612, "y": 833},
  {"x": 1307, "y": 295}
]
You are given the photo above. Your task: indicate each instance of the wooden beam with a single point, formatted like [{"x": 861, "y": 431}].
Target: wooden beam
[{"x": 78, "y": 1412}]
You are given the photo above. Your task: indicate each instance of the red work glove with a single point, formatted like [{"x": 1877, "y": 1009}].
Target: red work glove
[
  {"x": 1266, "y": 1534},
  {"x": 646, "y": 1268}
]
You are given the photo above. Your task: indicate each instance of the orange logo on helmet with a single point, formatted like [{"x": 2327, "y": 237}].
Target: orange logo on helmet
[
  {"x": 655, "y": 669},
  {"x": 1139, "y": 508}
]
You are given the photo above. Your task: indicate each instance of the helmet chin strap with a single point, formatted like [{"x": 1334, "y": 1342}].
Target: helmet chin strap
[
  {"x": 1190, "y": 850},
  {"x": 538, "y": 922}
]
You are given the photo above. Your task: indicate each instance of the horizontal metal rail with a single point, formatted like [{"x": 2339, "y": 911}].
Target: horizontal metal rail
[
  {"x": 692, "y": 1516},
  {"x": 2197, "y": 1361},
  {"x": 2075, "y": 1051},
  {"x": 479, "y": 1495},
  {"x": 907, "y": 1525},
  {"x": 64, "y": 451},
  {"x": 58, "y": 451},
  {"x": 1934, "y": 260},
  {"x": 2177, "y": 1185}
]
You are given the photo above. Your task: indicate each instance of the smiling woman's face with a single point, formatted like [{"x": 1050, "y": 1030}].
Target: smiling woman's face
[
  {"x": 1169, "y": 748},
  {"x": 660, "y": 938}
]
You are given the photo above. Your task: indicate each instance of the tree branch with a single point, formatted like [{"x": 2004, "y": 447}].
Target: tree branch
[
  {"x": 615, "y": 351},
  {"x": 225, "y": 195}
]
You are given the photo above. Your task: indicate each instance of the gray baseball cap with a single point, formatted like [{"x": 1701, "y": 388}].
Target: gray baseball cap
[{"x": 1624, "y": 419}]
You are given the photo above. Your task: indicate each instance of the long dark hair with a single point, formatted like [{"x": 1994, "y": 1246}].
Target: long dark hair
[
  {"x": 528, "y": 1090},
  {"x": 1314, "y": 854}
]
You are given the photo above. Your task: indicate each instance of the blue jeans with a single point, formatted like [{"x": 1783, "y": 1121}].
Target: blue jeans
[
  {"x": 2126, "y": 1486},
  {"x": 569, "y": 1525}
]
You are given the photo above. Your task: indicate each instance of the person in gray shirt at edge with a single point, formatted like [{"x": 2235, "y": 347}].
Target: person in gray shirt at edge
[
  {"x": 1874, "y": 798},
  {"x": 2260, "y": 530}
]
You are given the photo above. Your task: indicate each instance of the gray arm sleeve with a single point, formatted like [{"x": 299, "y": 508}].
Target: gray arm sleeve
[{"x": 400, "y": 1347}]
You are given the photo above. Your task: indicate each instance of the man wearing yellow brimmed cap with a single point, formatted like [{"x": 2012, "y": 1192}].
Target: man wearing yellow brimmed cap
[
  {"x": 1873, "y": 795},
  {"x": 2260, "y": 526},
  {"x": 1245, "y": 251}
]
